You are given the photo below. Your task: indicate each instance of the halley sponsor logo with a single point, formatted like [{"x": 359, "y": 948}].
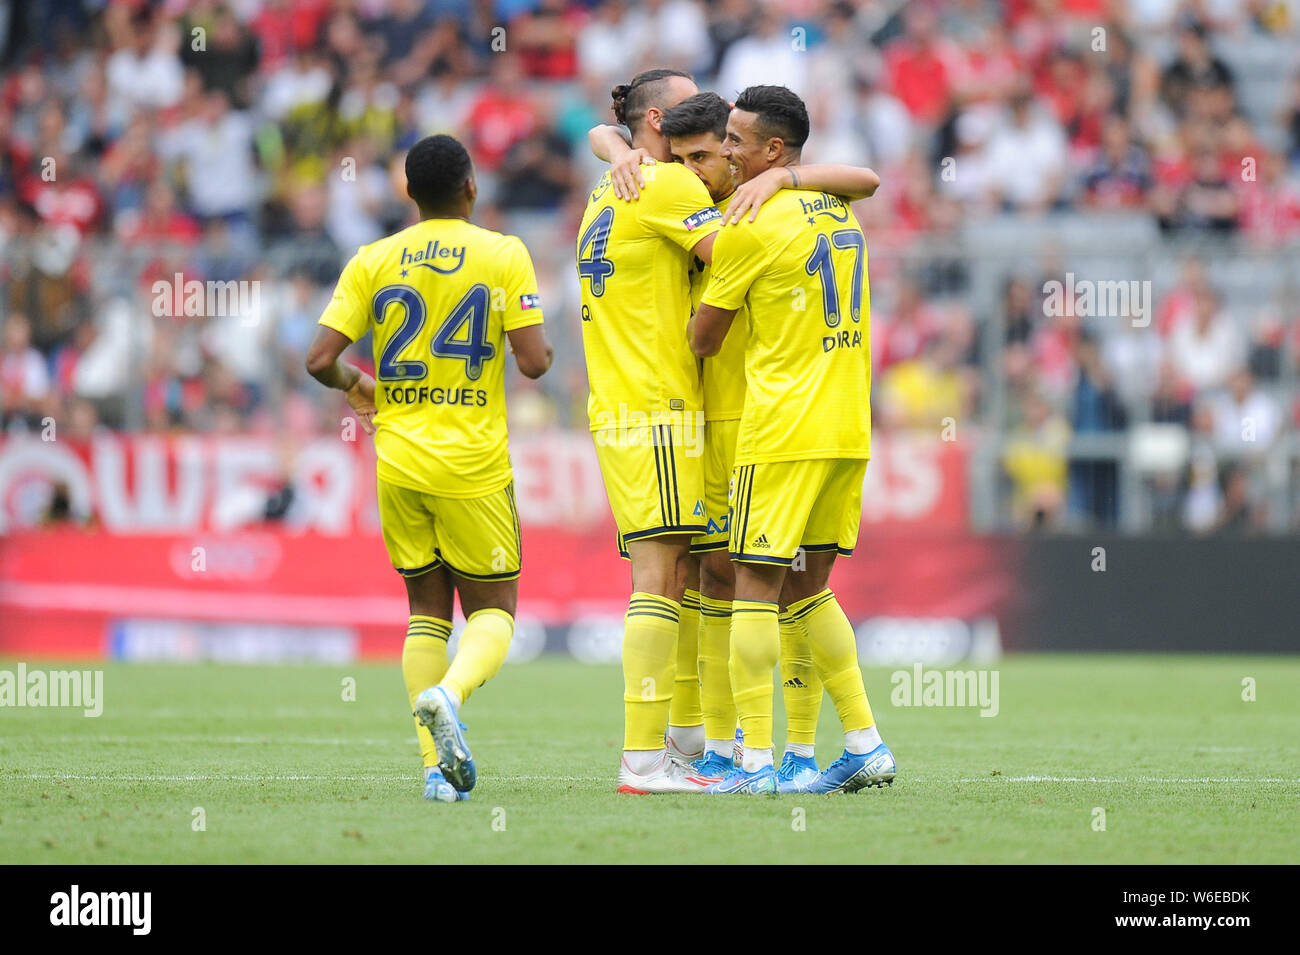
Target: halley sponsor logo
[
  {"x": 436, "y": 256},
  {"x": 76, "y": 689},
  {"x": 102, "y": 908},
  {"x": 697, "y": 219},
  {"x": 825, "y": 205},
  {"x": 919, "y": 687}
]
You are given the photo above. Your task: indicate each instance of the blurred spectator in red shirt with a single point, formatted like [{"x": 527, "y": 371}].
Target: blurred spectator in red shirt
[
  {"x": 159, "y": 221},
  {"x": 547, "y": 40},
  {"x": 502, "y": 115},
  {"x": 921, "y": 66}
]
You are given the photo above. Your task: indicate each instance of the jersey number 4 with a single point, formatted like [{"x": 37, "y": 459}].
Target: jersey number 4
[
  {"x": 594, "y": 267},
  {"x": 448, "y": 342},
  {"x": 821, "y": 264}
]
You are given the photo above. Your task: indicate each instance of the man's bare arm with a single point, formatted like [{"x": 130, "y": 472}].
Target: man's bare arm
[
  {"x": 607, "y": 143},
  {"x": 324, "y": 365},
  {"x": 707, "y": 329},
  {"x": 850, "y": 182}
]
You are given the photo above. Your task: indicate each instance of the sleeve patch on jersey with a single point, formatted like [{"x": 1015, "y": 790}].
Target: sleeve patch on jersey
[
  {"x": 697, "y": 219},
  {"x": 529, "y": 301}
]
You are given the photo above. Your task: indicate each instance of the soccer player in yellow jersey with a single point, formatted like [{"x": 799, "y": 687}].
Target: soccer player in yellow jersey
[
  {"x": 645, "y": 408},
  {"x": 804, "y": 437},
  {"x": 441, "y": 298},
  {"x": 702, "y": 712}
]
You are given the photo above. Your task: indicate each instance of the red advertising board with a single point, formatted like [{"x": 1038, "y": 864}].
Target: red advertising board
[{"x": 176, "y": 532}]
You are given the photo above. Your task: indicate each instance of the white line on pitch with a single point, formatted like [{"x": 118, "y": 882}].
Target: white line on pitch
[
  {"x": 403, "y": 775},
  {"x": 258, "y": 777},
  {"x": 1130, "y": 779}
]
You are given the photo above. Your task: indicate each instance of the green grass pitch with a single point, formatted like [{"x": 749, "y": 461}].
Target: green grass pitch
[{"x": 284, "y": 769}]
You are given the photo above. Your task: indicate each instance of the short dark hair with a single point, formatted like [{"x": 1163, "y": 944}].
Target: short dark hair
[
  {"x": 780, "y": 113},
  {"x": 631, "y": 100},
  {"x": 436, "y": 169},
  {"x": 701, "y": 113}
]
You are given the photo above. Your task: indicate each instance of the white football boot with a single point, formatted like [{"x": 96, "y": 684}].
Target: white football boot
[{"x": 668, "y": 776}]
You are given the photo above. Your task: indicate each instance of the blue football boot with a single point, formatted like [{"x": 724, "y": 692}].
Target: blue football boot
[
  {"x": 435, "y": 710},
  {"x": 761, "y": 782},
  {"x": 437, "y": 789},
  {"x": 796, "y": 773},
  {"x": 852, "y": 772},
  {"x": 713, "y": 766}
]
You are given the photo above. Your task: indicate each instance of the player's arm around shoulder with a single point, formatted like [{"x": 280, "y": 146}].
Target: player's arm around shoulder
[
  {"x": 523, "y": 312},
  {"x": 625, "y": 162},
  {"x": 850, "y": 183}
]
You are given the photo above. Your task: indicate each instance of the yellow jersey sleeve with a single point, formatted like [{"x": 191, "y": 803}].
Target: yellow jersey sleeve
[
  {"x": 523, "y": 306},
  {"x": 679, "y": 207},
  {"x": 739, "y": 258},
  {"x": 348, "y": 310}
]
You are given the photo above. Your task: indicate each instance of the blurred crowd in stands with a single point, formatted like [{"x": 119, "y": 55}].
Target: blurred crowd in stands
[{"x": 261, "y": 141}]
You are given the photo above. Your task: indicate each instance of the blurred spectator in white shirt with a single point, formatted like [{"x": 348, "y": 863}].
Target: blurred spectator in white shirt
[
  {"x": 217, "y": 149},
  {"x": 146, "y": 69},
  {"x": 24, "y": 376},
  {"x": 1133, "y": 355},
  {"x": 1246, "y": 419},
  {"x": 767, "y": 57},
  {"x": 680, "y": 35},
  {"x": 1206, "y": 350},
  {"x": 1026, "y": 156},
  {"x": 612, "y": 43}
]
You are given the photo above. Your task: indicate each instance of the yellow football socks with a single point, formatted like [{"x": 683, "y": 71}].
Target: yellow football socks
[
  {"x": 424, "y": 663},
  {"x": 755, "y": 647},
  {"x": 649, "y": 662},
  {"x": 835, "y": 656},
  {"x": 715, "y": 678},
  {"x": 801, "y": 687},
  {"x": 483, "y": 646},
  {"x": 685, "y": 709}
]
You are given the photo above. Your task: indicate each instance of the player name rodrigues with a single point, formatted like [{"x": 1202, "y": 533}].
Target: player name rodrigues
[{"x": 411, "y": 395}]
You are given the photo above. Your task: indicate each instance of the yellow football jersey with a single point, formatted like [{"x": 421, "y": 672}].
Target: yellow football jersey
[
  {"x": 724, "y": 373},
  {"x": 633, "y": 259},
  {"x": 440, "y": 297},
  {"x": 802, "y": 270}
]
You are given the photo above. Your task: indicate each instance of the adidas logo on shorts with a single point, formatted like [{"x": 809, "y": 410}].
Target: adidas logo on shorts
[{"x": 761, "y": 542}]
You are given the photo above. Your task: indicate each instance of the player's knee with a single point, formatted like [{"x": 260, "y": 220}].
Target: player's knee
[
  {"x": 717, "y": 576},
  {"x": 488, "y": 595}
]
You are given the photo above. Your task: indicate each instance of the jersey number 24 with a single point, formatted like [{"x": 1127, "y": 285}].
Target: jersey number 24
[{"x": 473, "y": 347}]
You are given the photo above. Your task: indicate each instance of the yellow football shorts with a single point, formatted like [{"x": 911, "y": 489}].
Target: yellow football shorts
[
  {"x": 779, "y": 506},
  {"x": 654, "y": 479},
  {"x": 476, "y": 537},
  {"x": 719, "y": 460}
]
